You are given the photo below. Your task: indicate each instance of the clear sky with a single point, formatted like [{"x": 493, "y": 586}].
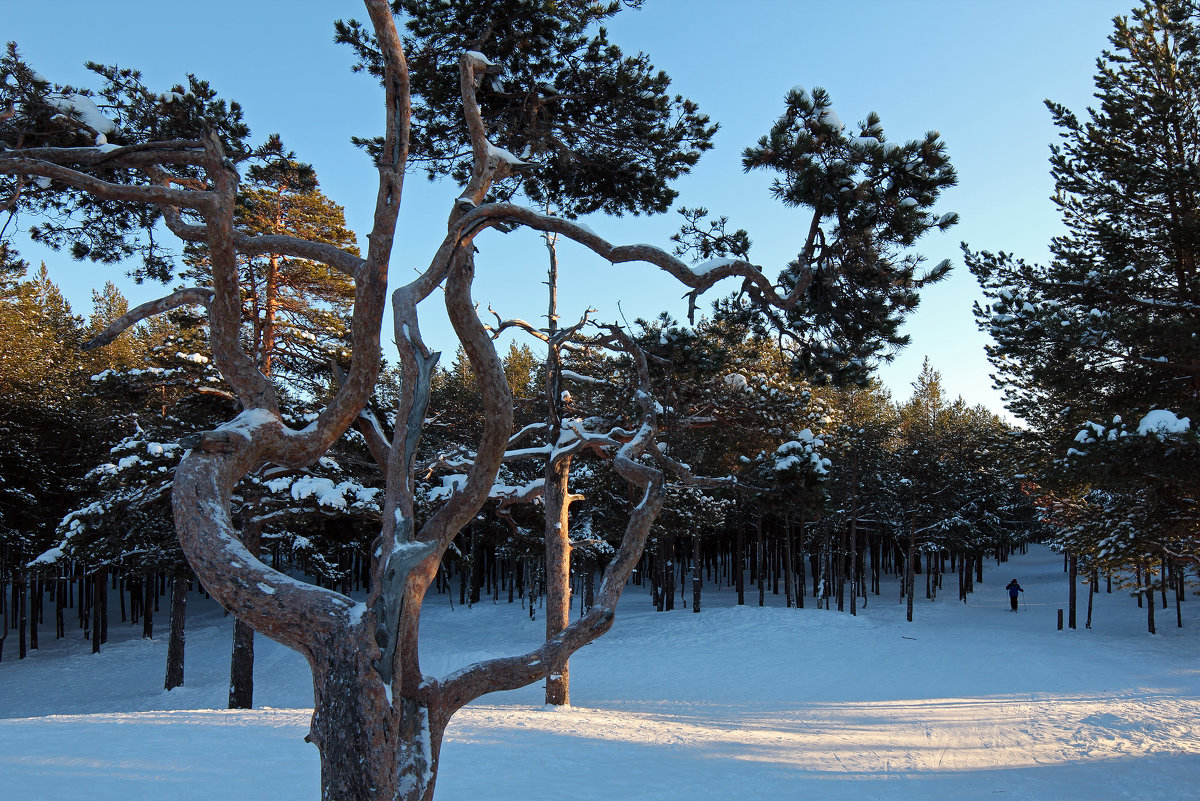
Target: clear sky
[{"x": 977, "y": 71}]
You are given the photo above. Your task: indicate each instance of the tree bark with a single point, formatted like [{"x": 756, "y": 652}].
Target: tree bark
[
  {"x": 697, "y": 572},
  {"x": 97, "y": 591},
  {"x": 241, "y": 661},
  {"x": 148, "y": 606},
  {"x": 175, "y": 642},
  {"x": 1073, "y": 578},
  {"x": 558, "y": 570}
]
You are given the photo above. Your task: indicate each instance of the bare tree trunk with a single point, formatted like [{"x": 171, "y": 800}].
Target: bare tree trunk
[
  {"x": 854, "y": 561},
  {"x": 1092, "y": 581},
  {"x": 910, "y": 567},
  {"x": 371, "y": 750},
  {"x": 35, "y": 613},
  {"x": 241, "y": 661},
  {"x": 148, "y": 606},
  {"x": 788, "y": 577},
  {"x": 1179, "y": 589},
  {"x": 1073, "y": 578},
  {"x": 23, "y": 619},
  {"x": 697, "y": 572},
  {"x": 558, "y": 570},
  {"x": 802, "y": 579},
  {"x": 1163, "y": 587},
  {"x": 760, "y": 560},
  {"x": 739, "y": 571},
  {"x": 175, "y": 641},
  {"x": 97, "y": 591}
]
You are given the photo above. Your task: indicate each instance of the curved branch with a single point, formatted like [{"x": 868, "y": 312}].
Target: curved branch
[
  {"x": 296, "y": 614},
  {"x": 183, "y": 297},
  {"x": 699, "y": 279},
  {"x": 370, "y": 280},
  {"x": 509, "y": 673},
  {"x": 139, "y": 156},
  {"x": 154, "y": 195},
  {"x": 261, "y": 245}
]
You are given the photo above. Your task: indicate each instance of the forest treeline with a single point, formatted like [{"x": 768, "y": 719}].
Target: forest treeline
[
  {"x": 813, "y": 492},
  {"x": 803, "y": 477}
]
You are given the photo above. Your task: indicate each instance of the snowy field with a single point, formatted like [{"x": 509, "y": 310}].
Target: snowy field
[{"x": 968, "y": 702}]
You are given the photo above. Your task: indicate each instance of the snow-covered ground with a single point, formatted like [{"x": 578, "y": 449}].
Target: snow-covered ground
[{"x": 968, "y": 702}]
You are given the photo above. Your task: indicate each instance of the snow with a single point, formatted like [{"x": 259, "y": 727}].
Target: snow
[
  {"x": 88, "y": 111},
  {"x": 480, "y": 57},
  {"x": 704, "y": 268},
  {"x": 966, "y": 702},
  {"x": 1162, "y": 422},
  {"x": 500, "y": 154}
]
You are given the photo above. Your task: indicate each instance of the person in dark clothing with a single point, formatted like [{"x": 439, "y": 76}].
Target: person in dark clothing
[{"x": 1013, "y": 588}]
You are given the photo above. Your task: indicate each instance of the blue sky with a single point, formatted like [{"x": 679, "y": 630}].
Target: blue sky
[{"x": 975, "y": 70}]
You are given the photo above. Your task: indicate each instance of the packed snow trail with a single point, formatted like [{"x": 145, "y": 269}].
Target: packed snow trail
[{"x": 967, "y": 702}]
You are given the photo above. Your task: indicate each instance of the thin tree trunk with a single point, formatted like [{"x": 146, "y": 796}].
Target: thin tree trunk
[
  {"x": 22, "y": 620},
  {"x": 558, "y": 570},
  {"x": 148, "y": 606},
  {"x": 788, "y": 577},
  {"x": 760, "y": 558},
  {"x": 175, "y": 641},
  {"x": 739, "y": 571},
  {"x": 97, "y": 591},
  {"x": 35, "y": 602},
  {"x": 241, "y": 660},
  {"x": 802, "y": 582},
  {"x": 1073, "y": 578},
  {"x": 1091, "y": 593}
]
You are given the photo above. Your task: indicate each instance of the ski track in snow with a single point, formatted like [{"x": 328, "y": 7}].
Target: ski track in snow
[{"x": 967, "y": 702}]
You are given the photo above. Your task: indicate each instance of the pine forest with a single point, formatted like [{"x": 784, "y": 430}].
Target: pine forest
[{"x": 319, "y": 443}]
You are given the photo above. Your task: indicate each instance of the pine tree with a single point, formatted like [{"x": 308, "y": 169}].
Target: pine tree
[
  {"x": 868, "y": 201},
  {"x": 550, "y": 68},
  {"x": 1090, "y": 344}
]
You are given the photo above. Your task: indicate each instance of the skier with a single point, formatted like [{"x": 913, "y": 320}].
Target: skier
[{"x": 1013, "y": 588}]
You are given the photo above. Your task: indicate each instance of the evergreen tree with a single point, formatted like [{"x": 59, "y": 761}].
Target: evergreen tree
[
  {"x": 1094, "y": 348},
  {"x": 868, "y": 201},
  {"x": 551, "y": 68}
]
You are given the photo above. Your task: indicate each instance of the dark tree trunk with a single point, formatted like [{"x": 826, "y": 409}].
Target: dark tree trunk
[
  {"x": 697, "y": 572},
  {"x": 802, "y": 579},
  {"x": 1073, "y": 577},
  {"x": 666, "y": 548},
  {"x": 910, "y": 577},
  {"x": 1179, "y": 589},
  {"x": 60, "y": 597},
  {"x": 1091, "y": 594},
  {"x": 103, "y": 579},
  {"x": 97, "y": 591},
  {"x": 788, "y": 572},
  {"x": 760, "y": 559},
  {"x": 148, "y": 606},
  {"x": 22, "y": 619},
  {"x": 241, "y": 661},
  {"x": 476, "y": 563},
  {"x": 1164, "y": 582},
  {"x": 35, "y": 613},
  {"x": 175, "y": 641},
  {"x": 739, "y": 571}
]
